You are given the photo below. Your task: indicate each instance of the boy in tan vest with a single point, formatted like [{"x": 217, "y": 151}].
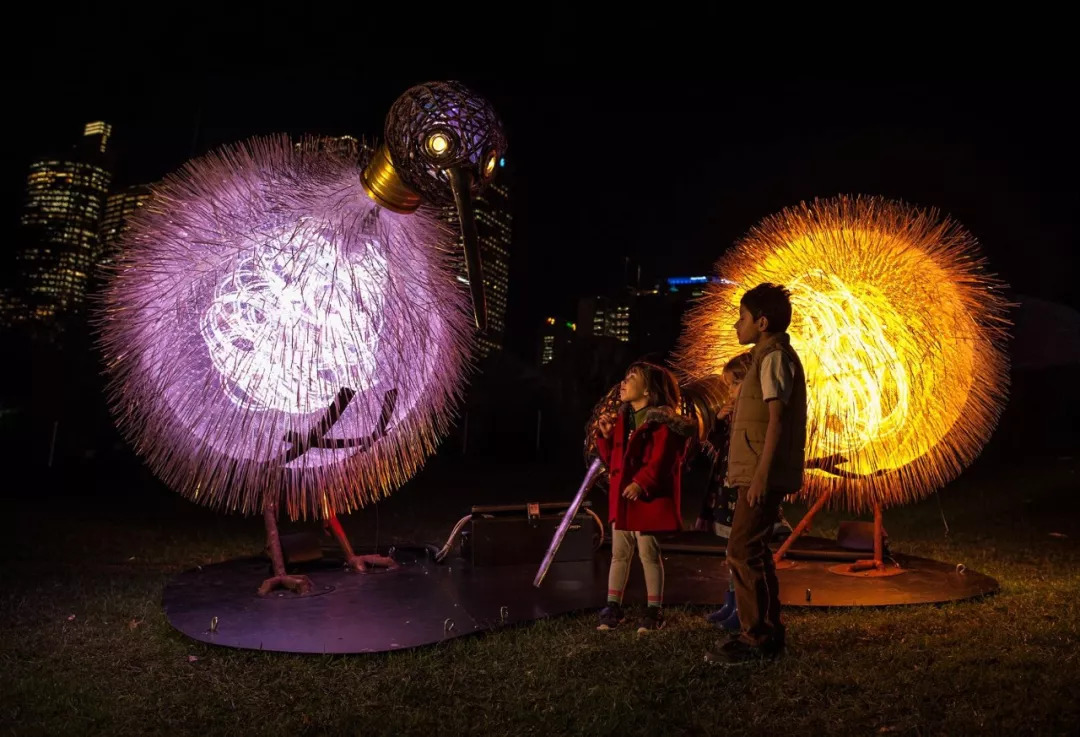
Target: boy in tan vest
[{"x": 765, "y": 463}]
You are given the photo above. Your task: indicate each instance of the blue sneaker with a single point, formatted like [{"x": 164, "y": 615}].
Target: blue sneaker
[
  {"x": 731, "y": 624},
  {"x": 723, "y": 612},
  {"x": 611, "y": 617}
]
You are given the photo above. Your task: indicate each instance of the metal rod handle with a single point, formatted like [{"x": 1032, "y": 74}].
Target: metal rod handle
[{"x": 591, "y": 475}]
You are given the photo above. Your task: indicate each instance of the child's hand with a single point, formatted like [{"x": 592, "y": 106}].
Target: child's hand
[
  {"x": 633, "y": 491},
  {"x": 756, "y": 492},
  {"x": 726, "y": 410},
  {"x": 605, "y": 424}
]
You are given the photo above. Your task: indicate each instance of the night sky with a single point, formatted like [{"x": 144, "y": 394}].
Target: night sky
[{"x": 665, "y": 170}]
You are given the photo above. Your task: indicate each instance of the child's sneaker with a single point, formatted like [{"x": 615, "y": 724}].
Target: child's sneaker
[
  {"x": 723, "y": 612},
  {"x": 611, "y": 617},
  {"x": 731, "y": 624},
  {"x": 652, "y": 620}
]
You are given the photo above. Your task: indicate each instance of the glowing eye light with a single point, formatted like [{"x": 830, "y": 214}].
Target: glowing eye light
[{"x": 438, "y": 144}]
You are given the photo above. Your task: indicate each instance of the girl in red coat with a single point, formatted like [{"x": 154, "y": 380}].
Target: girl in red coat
[{"x": 643, "y": 447}]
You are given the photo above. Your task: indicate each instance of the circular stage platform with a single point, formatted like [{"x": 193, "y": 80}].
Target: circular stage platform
[{"x": 424, "y": 602}]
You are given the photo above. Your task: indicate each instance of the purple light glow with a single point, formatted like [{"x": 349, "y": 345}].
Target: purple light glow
[
  {"x": 293, "y": 279},
  {"x": 260, "y": 282}
]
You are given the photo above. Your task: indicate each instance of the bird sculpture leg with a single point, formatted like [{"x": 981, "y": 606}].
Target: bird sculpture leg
[
  {"x": 358, "y": 563},
  {"x": 299, "y": 584}
]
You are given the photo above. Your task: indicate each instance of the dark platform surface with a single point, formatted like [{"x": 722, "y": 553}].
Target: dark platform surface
[{"x": 424, "y": 602}]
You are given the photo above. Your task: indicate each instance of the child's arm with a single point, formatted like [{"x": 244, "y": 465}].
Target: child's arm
[
  {"x": 603, "y": 448},
  {"x": 605, "y": 431},
  {"x": 760, "y": 482},
  {"x": 663, "y": 454}
]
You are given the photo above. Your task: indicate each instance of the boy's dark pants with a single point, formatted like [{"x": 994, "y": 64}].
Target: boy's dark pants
[{"x": 757, "y": 593}]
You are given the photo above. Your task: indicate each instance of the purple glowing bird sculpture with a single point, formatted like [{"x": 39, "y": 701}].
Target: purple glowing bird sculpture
[{"x": 284, "y": 327}]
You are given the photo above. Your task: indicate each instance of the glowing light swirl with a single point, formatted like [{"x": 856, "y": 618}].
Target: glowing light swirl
[
  {"x": 901, "y": 333},
  {"x": 851, "y": 363},
  {"x": 291, "y": 296}
]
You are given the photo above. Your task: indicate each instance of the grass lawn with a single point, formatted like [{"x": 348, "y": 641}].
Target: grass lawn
[{"x": 85, "y": 648}]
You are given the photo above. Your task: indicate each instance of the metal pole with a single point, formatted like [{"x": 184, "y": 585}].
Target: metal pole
[
  {"x": 52, "y": 443},
  {"x": 590, "y": 478},
  {"x": 800, "y": 528},
  {"x": 878, "y": 563}
]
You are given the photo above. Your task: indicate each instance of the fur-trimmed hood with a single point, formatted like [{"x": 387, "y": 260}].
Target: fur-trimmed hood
[{"x": 678, "y": 424}]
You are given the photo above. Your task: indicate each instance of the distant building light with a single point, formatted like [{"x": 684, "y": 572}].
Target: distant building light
[
  {"x": 99, "y": 128},
  {"x": 683, "y": 280}
]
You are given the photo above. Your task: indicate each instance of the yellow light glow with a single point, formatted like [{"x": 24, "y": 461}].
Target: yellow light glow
[
  {"x": 489, "y": 167},
  {"x": 901, "y": 335},
  {"x": 438, "y": 144}
]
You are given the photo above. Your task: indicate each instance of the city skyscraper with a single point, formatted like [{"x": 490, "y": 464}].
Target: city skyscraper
[
  {"x": 59, "y": 238},
  {"x": 556, "y": 338},
  {"x": 605, "y": 317},
  {"x": 119, "y": 209}
]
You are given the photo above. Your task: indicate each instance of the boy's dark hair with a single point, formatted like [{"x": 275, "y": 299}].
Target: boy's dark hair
[
  {"x": 661, "y": 384},
  {"x": 771, "y": 300}
]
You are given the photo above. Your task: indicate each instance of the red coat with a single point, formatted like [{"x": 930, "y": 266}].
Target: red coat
[{"x": 652, "y": 456}]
